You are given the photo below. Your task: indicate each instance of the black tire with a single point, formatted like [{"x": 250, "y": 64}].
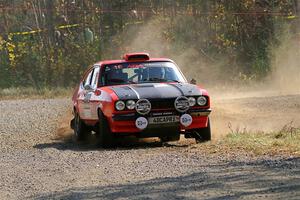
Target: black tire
[
  {"x": 170, "y": 138},
  {"x": 105, "y": 137},
  {"x": 203, "y": 134},
  {"x": 80, "y": 129}
]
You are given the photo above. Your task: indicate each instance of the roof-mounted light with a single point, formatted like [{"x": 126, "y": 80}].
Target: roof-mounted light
[{"x": 136, "y": 57}]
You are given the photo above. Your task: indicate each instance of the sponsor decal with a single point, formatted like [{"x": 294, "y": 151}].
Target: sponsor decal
[
  {"x": 186, "y": 120},
  {"x": 135, "y": 66},
  {"x": 141, "y": 123}
]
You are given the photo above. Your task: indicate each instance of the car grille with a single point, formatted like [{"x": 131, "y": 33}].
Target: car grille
[{"x": 162, "y": 103}]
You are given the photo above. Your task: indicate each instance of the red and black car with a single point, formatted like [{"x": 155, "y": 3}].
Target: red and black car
[{"x": 140, "y": 96}]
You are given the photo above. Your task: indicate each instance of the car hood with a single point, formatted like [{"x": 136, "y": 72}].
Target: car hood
[{"x": 155, "y": 90}]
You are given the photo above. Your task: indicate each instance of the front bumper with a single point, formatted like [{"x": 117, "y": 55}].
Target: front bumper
[{"x": 125, "y": 123}]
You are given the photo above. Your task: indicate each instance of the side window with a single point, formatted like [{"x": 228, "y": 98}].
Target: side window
[
  {"x": 88, "y": 79},
  {"x": 95, "y": 78}
]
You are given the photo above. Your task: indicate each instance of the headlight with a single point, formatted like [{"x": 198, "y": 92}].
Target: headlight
[
  {"x": 120, "y": 105},
  {"x": 201, "y": 101},
  {"x": 192, "y": 101},
  {"x": 130, "y": 104}
]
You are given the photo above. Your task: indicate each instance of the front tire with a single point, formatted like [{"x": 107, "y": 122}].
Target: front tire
[
  {"x": 203, "y": 134},
  {"x": 80, "y": 129},
  {"x": 104, "y": 136}
]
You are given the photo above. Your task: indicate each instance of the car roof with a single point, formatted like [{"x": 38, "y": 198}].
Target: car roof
[{"x": 108, "y": 62}]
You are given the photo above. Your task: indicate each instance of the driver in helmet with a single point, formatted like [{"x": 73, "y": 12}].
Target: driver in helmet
[{"x": 156, "y": 73}]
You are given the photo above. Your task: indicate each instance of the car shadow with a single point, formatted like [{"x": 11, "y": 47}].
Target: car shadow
[
  {"x": 125, "y": 143},
  {"x": 265, "y": 179}
]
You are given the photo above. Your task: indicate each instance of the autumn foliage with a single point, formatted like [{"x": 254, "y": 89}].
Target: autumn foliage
[{"x": 50, "y": 43}]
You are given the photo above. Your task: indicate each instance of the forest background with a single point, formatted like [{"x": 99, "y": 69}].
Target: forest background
[{"x": 50, "y": 43}]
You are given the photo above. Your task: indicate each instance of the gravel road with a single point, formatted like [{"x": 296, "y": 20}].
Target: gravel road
[{"x": 36, "y": 163}]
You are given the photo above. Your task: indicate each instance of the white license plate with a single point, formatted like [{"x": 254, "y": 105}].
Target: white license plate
[{"x": 163, "y": 119}]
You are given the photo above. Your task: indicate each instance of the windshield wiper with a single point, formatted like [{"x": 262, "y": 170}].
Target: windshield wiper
[
  {"x": 171, "y": 80},
  {"x": 116, "y": 80},
  {"x": 161, "y": 80},
  {"x": 132, "y": 82}
]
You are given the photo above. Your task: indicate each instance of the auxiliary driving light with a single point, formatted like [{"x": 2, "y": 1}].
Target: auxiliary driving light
[{"x": 120, "y": 105}]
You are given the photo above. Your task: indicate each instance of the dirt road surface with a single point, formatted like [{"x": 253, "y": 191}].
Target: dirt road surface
[{"x": 36, "y": 163}]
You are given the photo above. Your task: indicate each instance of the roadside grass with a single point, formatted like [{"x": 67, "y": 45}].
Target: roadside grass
[
  {"x": 33, "y": 93},
  {"x": 283, "y": 142}
]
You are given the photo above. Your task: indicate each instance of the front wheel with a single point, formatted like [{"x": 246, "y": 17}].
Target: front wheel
[
  {"x": 104, "y": 136},
  {"x": 203, "y": 134}
]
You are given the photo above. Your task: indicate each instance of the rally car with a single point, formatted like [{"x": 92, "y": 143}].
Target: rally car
[{"x": 139, "y": 96}]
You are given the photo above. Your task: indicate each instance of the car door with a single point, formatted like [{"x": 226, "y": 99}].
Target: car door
[
  {"x": 94, "y": 99},
  {"x": 84, "y": 96}
]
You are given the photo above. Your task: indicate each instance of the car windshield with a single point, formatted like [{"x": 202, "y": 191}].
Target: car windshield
[{"x": 140, "y": 72}]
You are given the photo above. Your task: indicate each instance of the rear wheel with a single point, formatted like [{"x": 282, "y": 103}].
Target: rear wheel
[
  {"x": 80, "y": 129},
  {"x": 203, "y": 134},
  {"x": 104, "y": 136}
]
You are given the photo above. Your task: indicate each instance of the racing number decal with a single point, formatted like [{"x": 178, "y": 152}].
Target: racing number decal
[
  {"x": 186, "y": 120},
  {"x": 87, "y": 97},
  {"x": 141, "y": 123},
  {"x": 86, "y": 107}
]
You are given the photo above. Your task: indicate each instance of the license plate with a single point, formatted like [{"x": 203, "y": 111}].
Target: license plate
[{"x": 163, "y": 119}]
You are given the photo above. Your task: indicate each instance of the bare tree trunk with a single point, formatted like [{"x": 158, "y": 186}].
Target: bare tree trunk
[
  {"x": 49, "y": 21},
  {"x": 296, "y": 6},
  {"x": 52, "y": 51}
]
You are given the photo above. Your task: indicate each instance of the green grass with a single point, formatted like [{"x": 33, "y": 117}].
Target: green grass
[
  {"x": 29, "y": 92},
  {"x": 285, "y": 141}
]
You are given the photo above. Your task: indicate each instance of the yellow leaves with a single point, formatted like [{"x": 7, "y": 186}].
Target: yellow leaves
[
  {"x": 11, "y": 55},
  {"x": 52, "y": 59},
  {"x": 16, "y": 49},
  {"x": 10, "y": 46},
  {"x": 224, "y": 42},
  {"x": 10, "y": 36},
  {"x": 2, "y": 42},
  {"x": 21, "y": 44},
  {"x": 245, "y": 77},
  {"x": 248, "y": 4}
]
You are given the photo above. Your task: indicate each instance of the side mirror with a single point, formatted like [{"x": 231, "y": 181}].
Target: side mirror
[
  {"x": 193, "y": 81},
  {"x": 97, "y": 92},
  {"x": 88, "y": 88}
]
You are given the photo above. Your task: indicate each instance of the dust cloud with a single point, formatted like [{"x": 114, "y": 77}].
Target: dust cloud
[
  {"x": 236, "y": 106},
  {"x": 285, "y": 75},
  {"x": 64, "y": 131},
  {"x": 152, "y": 37},
  {"x": 146, "y": 37},
  {"x": 267, "y": 105}
]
